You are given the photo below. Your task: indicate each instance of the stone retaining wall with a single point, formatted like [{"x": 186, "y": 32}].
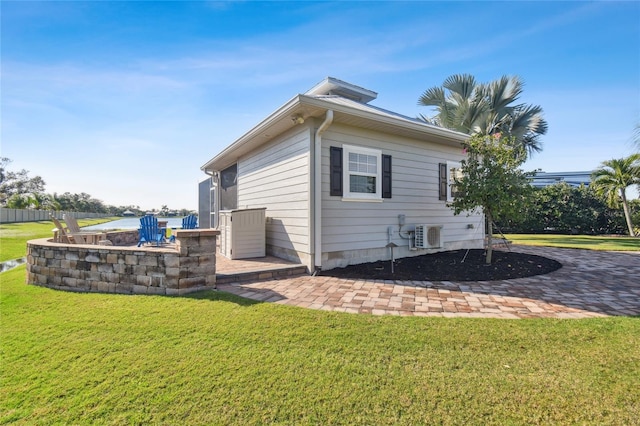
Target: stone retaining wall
[{"x": 187, "y": 266}]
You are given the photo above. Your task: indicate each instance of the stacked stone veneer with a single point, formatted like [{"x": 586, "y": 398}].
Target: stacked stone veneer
[{"x": 188, "y": 266}]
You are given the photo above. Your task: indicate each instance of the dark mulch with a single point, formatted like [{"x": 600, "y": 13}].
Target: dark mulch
[{"x": 449, "y": 266}]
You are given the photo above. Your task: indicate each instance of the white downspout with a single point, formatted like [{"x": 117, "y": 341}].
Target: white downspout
[{"x": 317, "y": 193}]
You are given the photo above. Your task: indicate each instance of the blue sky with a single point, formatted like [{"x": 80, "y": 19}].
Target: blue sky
[{"x": 126, "y": 100}]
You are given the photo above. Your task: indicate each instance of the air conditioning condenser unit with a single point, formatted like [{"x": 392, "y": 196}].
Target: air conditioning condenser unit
[{"x": 428, "y": 236}]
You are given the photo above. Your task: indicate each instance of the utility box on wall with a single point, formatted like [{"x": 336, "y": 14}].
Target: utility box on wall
[{"x": 242, "y": 233}]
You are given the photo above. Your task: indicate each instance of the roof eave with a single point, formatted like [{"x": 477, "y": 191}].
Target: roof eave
[
  {"x": 420, "y": 128},
  {"x": 294, "y": 105}
]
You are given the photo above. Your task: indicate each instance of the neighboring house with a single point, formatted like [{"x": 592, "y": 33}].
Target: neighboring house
[
  {"x": 542, "y": 179},
  {"x": 342, "y": 179}
]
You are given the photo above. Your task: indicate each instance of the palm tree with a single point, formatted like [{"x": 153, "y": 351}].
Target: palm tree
[
  {"x": 613, "y": 177},
  {"x": 18, "y": 201},
  {"x": 465, "y": 105},
  {"x": 50, "y": 202}
]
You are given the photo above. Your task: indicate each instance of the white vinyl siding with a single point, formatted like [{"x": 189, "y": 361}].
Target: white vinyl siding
[
  {"x": 363, "y": 226},
  {"x": 276, "y": 176}
]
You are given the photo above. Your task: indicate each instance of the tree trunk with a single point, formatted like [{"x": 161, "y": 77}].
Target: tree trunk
[
  {"x": 489, "y": 238},
  {"x": 627, "y": 216}
]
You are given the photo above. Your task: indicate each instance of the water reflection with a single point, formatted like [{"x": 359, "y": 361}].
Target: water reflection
[{"x": 10, "y": 264}]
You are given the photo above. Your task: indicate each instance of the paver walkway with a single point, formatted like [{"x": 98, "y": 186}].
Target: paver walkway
[{"x": 590, "y": 284}]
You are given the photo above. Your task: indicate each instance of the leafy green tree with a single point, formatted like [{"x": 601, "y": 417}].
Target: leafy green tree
[
  {"x": 612, "y": 179},
  {"x": 492, "y": 180},
  {"x": 82, "y": 202},
  {"x": 17, "y": 184},
  {"x": 50, "y": 202},
  {"x": 470, "y": 107},
  {"x": 18, "y": 201}
]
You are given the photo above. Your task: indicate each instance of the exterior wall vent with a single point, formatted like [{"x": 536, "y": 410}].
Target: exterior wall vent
[{"x": 428, "y": 236}]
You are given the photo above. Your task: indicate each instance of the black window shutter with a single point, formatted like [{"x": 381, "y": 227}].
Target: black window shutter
[
  {"x": 335, "y": 172},
  {"x": 386, "y": 176},
  {"x": 442, "y": 179}
]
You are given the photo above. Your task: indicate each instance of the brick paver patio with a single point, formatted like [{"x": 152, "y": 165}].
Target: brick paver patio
[{"x": 590, "y": 284}]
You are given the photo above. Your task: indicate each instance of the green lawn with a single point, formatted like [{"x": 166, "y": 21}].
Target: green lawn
[
  {"x": 72, "y": 358},
  {"x": 589, "y": 242},
  {"x": 14, "y": 236},
  {"x": 213, "y": 358}
]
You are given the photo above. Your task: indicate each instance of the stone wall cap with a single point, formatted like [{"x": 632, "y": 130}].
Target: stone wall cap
[
  {"x": 48, "y": 242},
  {"x": 196, "y": 232}
]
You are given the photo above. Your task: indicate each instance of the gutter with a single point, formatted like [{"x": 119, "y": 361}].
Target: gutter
[{"x": 317, "y": 191}]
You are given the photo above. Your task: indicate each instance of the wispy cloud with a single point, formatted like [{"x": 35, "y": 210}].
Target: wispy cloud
[{"x": 78, "y": 77}]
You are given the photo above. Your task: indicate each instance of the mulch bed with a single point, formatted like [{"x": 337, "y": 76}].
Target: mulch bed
[{"x": 452, "y": 266}]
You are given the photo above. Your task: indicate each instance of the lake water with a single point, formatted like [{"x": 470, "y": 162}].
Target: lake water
[
  {"x": 132, "y": 223},
  {"x": 10, "y": 264}
]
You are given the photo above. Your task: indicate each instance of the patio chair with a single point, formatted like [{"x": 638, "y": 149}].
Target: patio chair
[
  {"x": 90, "y": 237},
  {"x": 149, "y": 231},
  {"x": 59, "y": 232},
  {"x": 71, "y": 222},
  {"x": 190, "y": 222},
  {"x": 65, "y": 235}
]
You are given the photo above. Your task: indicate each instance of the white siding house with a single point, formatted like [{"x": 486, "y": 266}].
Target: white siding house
[{"x": 342, "y": 180}]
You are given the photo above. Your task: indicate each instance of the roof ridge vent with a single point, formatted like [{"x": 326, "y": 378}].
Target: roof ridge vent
[{"x": 334, "y": 86}]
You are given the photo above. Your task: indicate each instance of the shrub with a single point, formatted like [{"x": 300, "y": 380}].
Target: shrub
[{"x": 564, "y": 209}]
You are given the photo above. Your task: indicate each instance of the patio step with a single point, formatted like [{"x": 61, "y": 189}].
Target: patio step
[{"x": 266, "y": 274}]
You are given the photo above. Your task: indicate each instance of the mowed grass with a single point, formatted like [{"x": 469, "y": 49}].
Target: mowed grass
[
  {"x": 14, "y": 236},
  {"x": 589, "y": 242},
  {"x": 213, "y": 358}
]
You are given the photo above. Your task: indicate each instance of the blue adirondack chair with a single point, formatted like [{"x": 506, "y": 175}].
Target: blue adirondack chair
[
  {"x": 190, "y": 222},
  {"x": 149, "y": 231}
]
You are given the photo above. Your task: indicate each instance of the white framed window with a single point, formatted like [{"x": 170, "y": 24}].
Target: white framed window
[
  {"x": 454, "y": 171},
  {"x": 362, "y": 173}
]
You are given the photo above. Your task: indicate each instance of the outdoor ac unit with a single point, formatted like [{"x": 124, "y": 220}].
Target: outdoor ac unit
[{"x": 428, "y": 236}]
